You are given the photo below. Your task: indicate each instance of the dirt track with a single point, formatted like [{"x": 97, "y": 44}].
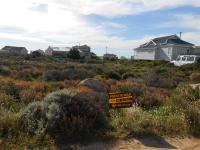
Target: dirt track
[{"x": 147, "y": 143}]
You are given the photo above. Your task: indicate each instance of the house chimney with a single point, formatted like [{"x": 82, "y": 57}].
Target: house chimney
[{"x": 180, "y": 34}]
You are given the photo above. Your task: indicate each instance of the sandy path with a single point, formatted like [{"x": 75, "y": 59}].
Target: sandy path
[{"x": 146, "y": 143}]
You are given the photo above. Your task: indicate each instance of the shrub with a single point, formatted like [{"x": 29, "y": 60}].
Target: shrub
[
  {"x": 8, "y": 122},
  {"x": 4, "y": 70},
  {"x": 68, "y": 74},
  {"x": 72, "y": 74},
  {"x": 8, "y": 102},
  {"x": 160, "y": 121},
  {"x": 10, "y": 89},
  {"x": 51, "y": 75},
  {"x": 158, "y": 80},
  {"x": 149, "y": 100},
  {"x": 128, "y": 75},
  {"x": 195, "y": 77},
  {"x": 61, "y": 113},
  {"x": 114, "y": 75},
  {"x": 30, "y": 95},
  {"x": 187, "y": 100},
  {"x": 24, "y": 74}
]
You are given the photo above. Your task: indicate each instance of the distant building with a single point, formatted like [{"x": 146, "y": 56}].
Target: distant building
[
  {"x": 110, "y": 57},
  {"x": 84, "y": 51},
  {"x": 13, "y": 50},
  {"x": 57, "y": 51},
  {"x": 164, "y": 48}
]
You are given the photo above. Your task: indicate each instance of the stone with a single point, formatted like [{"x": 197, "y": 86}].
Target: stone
[{"x": 94, "y": 84}]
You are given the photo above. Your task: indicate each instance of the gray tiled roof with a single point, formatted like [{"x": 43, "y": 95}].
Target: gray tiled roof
[
  {"x": 173, "y": 39},
  {"x": 8, "y": 48}
]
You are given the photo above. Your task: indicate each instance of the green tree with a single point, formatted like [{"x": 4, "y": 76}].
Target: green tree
[{"x": 74, "y": 54}]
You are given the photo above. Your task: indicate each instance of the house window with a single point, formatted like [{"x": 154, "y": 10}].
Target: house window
[{"x": 188, "y": 51}]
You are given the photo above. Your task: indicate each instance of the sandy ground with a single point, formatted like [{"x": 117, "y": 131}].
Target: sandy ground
[
  {"x": 145, "y": 143},
  {"x": 195, "y": 85}
]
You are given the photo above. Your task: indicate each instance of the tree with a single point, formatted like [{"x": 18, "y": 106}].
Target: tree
[{"x": 74, "y": 54}]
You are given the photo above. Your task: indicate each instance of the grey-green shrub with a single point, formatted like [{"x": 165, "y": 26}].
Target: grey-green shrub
[
  {"x": 114, "y": 75},
  {"x": 4, "y": 70},
  {"x": 60, "y": 112}
]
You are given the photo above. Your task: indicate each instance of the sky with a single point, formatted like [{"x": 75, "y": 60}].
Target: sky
[{"x": 119, "y": 25}]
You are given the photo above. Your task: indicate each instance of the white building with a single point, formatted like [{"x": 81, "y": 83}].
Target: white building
[
  {"x": 165, "y": 48},
  {"x": 84, "y": 51},
  {"x": 110, "y": 57},
  {"x": 57, "y": 51}
]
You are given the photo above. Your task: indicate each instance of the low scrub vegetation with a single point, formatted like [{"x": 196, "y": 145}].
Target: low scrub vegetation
[
  {"x": 37, "y": 98},
  {"x": 179, "y": 116}
]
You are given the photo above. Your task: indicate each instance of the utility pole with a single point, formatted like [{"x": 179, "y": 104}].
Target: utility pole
[{"x": 106, "y": 49}]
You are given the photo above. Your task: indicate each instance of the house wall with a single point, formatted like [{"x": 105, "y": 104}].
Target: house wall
[
  {"x": 49, "y": 52},
  {"x": 196, "y": 51},
  {"x": 164, "y": 53},
  {"x": 180, "y": 50},
  {"x": 13, "y": 51},
  {"x": 144, "y": 54}
]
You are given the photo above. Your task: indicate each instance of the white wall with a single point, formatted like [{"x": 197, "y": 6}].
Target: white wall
[
  {"x": 144, "y": 55},
  {"x": 165, "y": 53}
]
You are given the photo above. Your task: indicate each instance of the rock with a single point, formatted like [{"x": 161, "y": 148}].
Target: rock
[
  {"x": 97, "y": 98},
  {"x": 98, "y": 94},
  {"x": 94, "y": 84}
]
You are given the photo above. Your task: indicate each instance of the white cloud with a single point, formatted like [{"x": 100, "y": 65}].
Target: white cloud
[
  {"x": 188, "y": 21},
  {"x": 39, "y": 7},
  {"x": 61, "y": 22},
  {"x": 115, "y": 8},
  {"x": 192, "y": 37}
]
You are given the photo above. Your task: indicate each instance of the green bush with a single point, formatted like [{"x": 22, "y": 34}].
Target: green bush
[
  {"x": 150, "y": 100},
  {"x": 11, "y": 89},
  {"x": 68, "y": 74},
  {"x": 61, "y": 113},
  {"x": 24, "y": 74},
  {"x": 4, "y": 70},
  {"x": 8, "y": 102},
  {"x": 160, "y": 121},
  {"x": 128, "y": 75},
  {"x": 8, "y": 122},
  {"x": 51, "y": 75},
  {"x": 114, "y": 75},
  {"x": 161, "y": 77},
  {"x": 187, "y": 100}
]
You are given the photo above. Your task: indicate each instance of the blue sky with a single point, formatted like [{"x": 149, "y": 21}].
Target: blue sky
[{"x": 121, "y": 25}]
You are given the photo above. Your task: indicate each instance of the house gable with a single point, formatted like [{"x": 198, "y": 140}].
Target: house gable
[
  {"x": 164, "y": 41},
  {"x": 14, "y": 50}
]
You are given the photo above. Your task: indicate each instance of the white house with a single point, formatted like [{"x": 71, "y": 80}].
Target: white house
[
  {"x": 110, "y": 56},
  {"x": 57, "y": 51},
  {"x": 165, "y": 48}
]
